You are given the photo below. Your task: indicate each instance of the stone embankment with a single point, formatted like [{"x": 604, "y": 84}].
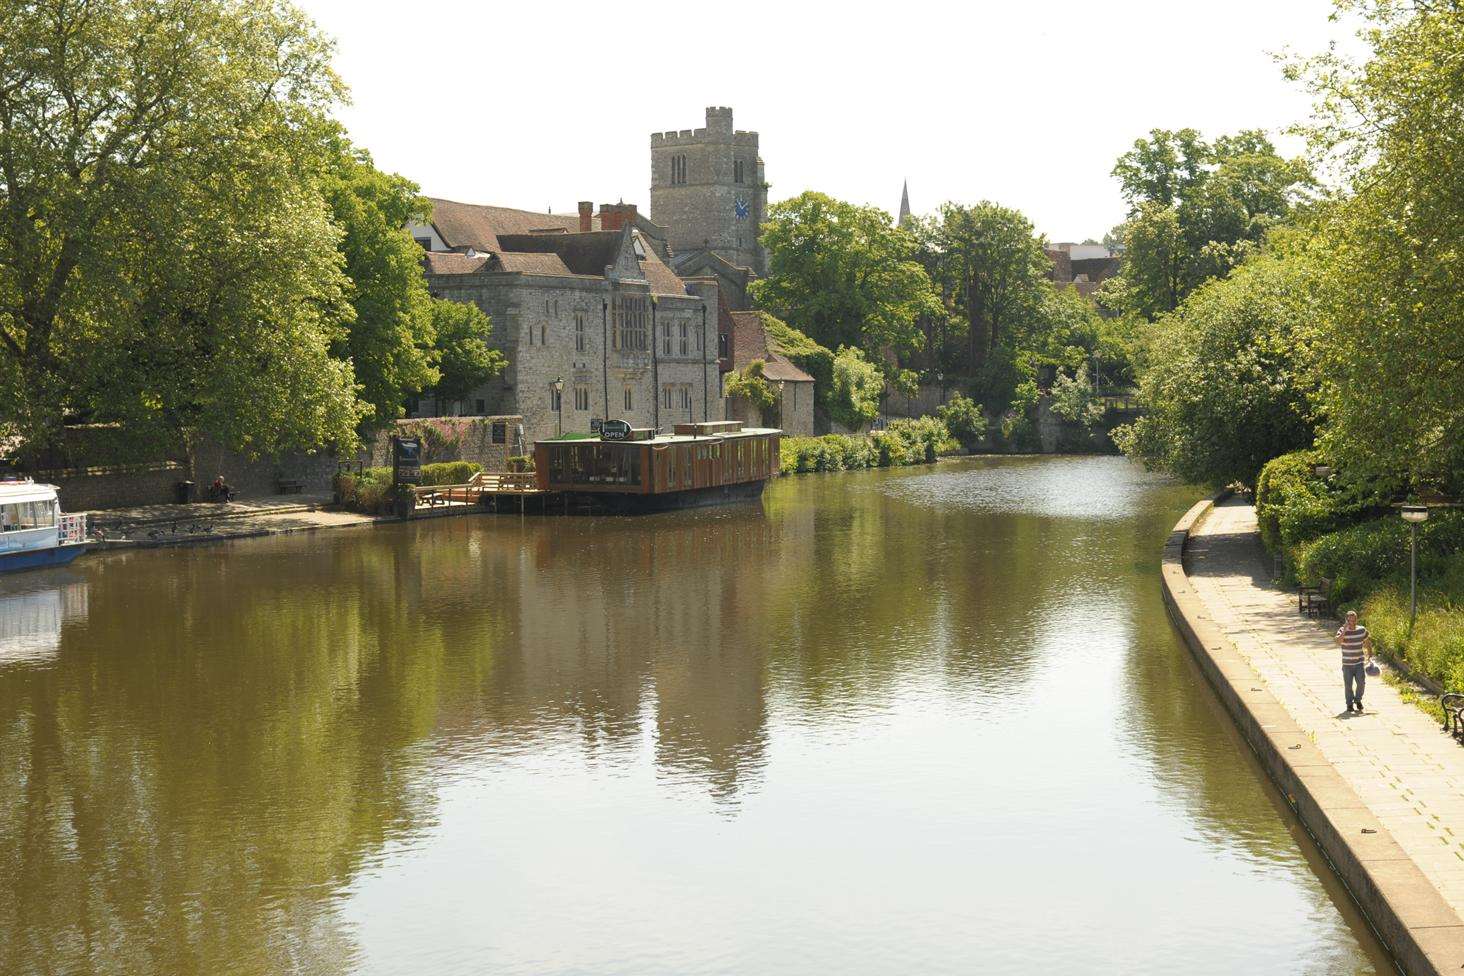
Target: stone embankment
[{"x": 1382, "y": 793}]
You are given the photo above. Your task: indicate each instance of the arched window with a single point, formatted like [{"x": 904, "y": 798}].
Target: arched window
[{"x": 737, "y": 171}]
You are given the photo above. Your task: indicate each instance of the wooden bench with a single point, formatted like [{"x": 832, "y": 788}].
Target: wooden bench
[
  {"x": 1453, "y": 705},
  {"x": 290, "y": 486},
  {"x": 1313, "y": 600}
]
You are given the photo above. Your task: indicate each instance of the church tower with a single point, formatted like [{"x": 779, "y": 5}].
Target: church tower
[
  {"x": 708, "y": 190},
  {"x": 904, "y": 220}
]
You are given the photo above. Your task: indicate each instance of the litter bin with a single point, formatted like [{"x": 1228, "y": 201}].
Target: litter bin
[{"x": 183, "y": 492}]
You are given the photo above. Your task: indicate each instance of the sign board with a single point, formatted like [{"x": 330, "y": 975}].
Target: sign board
[
  {"x": 596, "y": 424},
  {"x": 615, "y": 430},
  {"x": 406, "y": 460}
]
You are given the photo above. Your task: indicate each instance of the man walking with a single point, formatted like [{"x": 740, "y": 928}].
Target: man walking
[{"x": 1353, "y": 638}]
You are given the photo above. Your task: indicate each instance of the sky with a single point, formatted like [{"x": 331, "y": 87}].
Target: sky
[{"x": 540, "y": 105}]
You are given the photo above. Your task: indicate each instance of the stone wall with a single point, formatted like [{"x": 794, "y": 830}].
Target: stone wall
[
  {"x": 260, "y": 477},
  {"x": 555, "y": 328},
  {"x": 702, "y": 210},
  {"x": 926, "y": 400},
  {"x": 114, "y": 486},
  {"x": 458, "y": 439}
]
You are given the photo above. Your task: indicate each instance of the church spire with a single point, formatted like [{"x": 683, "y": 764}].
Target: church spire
[{"x": 904, "y": 206}]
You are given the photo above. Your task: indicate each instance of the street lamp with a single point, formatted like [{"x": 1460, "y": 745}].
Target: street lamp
[
  {"x": 1413, "y": 515},
  {"x": 559, "y": 404}
]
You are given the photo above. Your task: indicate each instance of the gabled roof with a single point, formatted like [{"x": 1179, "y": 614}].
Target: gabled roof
[
  {"x": 583, "y": 254},
  {"x": 478, "y": 226},
  {"x": 750, "y": 341},
  {"x": 451, "y": 262},
  {"x": 544, "y": 264}
]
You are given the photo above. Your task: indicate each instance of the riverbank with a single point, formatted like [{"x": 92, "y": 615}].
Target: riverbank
[
  {"x": 1380, "y": 792},
  {"x": 154, "y": 526}
]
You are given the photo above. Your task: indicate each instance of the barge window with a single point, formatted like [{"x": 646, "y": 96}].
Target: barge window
[{"x": 27, "y": 515}]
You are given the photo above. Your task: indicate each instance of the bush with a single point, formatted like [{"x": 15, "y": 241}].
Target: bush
[
  {"x": 1294, "y": 506},
  {"x": 1365, "y": 557},
  {"x": 964, "y": 420},
  {"x": 1437, "y": 645},
  {"x": 905, "y": 442},
  {"x": 447, "y": 472}
]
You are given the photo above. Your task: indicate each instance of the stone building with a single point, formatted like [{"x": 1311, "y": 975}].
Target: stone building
[
  {"x": 1083, "y": 266},
  {"x": 708, "y": 190},
  {"x": 750, "y": 341},
  {"x": 593, "y": 322}
]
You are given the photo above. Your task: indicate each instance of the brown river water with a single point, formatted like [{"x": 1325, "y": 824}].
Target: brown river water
[{"x": 919, "y": 721}]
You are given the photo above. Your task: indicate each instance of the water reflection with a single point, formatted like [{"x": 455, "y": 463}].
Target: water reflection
[
  {"x": 33, "y": 610},
  {"x": 880, "y": 722}
]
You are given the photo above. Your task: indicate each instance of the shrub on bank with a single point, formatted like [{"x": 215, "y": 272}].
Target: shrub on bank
[
  {"x": 904, "y": 442},
  {"x": 369, "y": 491},
  {"x": 1293, "y": 505}
]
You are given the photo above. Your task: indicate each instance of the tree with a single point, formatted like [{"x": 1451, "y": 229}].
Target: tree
[
  {"x": 842, "y": 275},
  {"x": 1196, "y": 210},
  {"x": 1390, "y": 345},
  {"x": 161, "y": 257},
  {"x": 964, "y": 420},
  {"x": 1224, "y": 383},
  {"x": 465, "y": 360},
  {"x": 391, "y": 337},
  {"x": 993, "y": 269},
  {"x": 854, "y": 402}
]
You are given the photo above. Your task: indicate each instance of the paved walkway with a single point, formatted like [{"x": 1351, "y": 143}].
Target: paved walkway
[{"x": 1394, "y": 756}]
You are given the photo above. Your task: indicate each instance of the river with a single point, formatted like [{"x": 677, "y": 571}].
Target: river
[{"x": 914, "y": 721}]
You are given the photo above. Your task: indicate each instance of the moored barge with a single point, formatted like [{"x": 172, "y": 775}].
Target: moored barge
[
  {"x": 640, "y": 470},
  {"x": 33, "y": 530}
]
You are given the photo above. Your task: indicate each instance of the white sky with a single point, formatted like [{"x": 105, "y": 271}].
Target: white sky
[{"x": 536, "y": 105}]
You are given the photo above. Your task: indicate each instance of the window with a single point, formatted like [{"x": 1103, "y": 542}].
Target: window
[
  {"x": 425, "y": 243},
  {"x": 686, "y": 396},
  {"x": 582, "y": 398},
  {"x": 479, "y": 407},
  {"x": 722, "y": 344},
  {"x": 632, "y": 316},
  {"x": 737, "y": 171},
  {"x": 666, "y": 396},
  {"x": 500, "y": 431},
  {"x": 666, "y": 339},
  {"x": 27, "y": 515},
  {"x": 629, "y": 400},
  {"x": 579, "y": 331},
  {"x": 531, "y": 333},
  {"x": 678, "y": 170},
  {"x": 684, "y": 349}
]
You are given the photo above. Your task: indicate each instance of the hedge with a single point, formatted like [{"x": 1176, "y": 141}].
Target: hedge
[{"x": 903, "y": 442}]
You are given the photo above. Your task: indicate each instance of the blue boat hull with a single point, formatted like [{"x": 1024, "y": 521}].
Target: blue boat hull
[{"x": 40, "y": 558}]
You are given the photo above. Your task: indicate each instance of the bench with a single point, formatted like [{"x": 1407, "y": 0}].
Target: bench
[
  {"x": 290, "y": 486},
  {"x": 1452, "y": 704},
  {"x": 1312, "y": 600}
]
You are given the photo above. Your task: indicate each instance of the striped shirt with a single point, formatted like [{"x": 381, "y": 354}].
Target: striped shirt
[{"x": 1352, "y": 641}]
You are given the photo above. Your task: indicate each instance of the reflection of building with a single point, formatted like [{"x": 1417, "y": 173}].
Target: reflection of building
[
  {"x": 593, "y": 322},
  {"x": 31, "y": 621}
]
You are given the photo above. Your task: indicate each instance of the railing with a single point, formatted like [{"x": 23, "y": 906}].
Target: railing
[{"x": 72, "y": 528}]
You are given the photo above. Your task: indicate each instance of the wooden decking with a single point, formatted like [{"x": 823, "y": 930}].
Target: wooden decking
[{"x": 483, "y": 485}]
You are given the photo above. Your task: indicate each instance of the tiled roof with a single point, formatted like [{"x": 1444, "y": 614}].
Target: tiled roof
[
  {"x": 543, "y": 264},
  {"x": 450, "y": 262},
  {"x": 475, "y": 225},
  {"x": 750, "y": 341},
  {"x": 584, "y": 254}
]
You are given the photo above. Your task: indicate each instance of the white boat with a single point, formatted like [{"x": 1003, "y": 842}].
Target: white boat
[{"x": 33, "y": 532}]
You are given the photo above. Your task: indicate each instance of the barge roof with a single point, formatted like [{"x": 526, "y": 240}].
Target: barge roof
[{"x": 665, "y": 439}]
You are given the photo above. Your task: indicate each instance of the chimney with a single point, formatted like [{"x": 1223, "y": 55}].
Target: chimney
[
  {"x": 614, "y": 216},
  {"x": 587, "y": 209}
]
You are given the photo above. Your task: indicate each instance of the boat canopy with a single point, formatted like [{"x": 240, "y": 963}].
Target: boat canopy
[{"x": 24, "y": 491}]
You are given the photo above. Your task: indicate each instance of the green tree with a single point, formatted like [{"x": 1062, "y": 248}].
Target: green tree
[
  {"x": 857, "y": 384},
  {"x": 1390, "y": 344},
  {"x": 994, "y": 272},
  {"x": 1196, "y": 210},
  {"x": 150, "y": 191},
  {"x": 391, "y": 339},
  {"x": 842, "y": 275},
  {"x": 465, "y": 360},
  {"x": 1224, "y": 383},
  {"x": 964, "y": 419}
]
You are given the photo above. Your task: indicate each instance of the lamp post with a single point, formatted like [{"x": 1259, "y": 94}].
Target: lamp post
[
  {"x": 1413, "y": 515},
  {"x": 559, "y": 405}
]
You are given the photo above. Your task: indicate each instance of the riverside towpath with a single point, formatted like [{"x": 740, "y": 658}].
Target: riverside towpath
[{"x": 1405, "y": 776}]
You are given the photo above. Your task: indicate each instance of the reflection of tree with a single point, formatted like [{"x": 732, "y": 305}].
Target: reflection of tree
[{"x": 232, "y": 731}]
